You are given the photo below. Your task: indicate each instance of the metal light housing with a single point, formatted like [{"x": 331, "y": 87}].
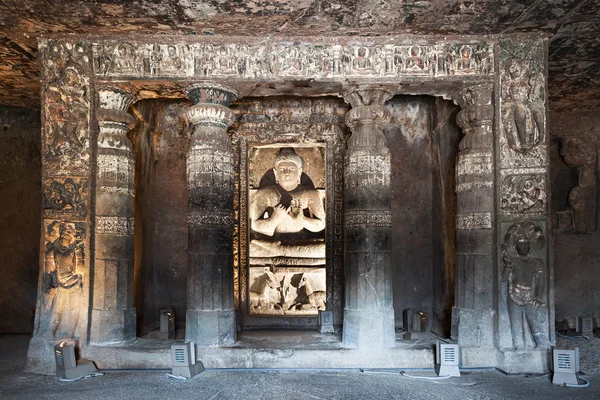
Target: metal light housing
[
  {"x": 183, "y": 360},
  {"x": 447, "y": 359},
  {"x": 66, "y": 363}
]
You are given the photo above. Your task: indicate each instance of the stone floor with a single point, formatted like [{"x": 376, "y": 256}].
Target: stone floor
[{"x": 266, "y": 385}]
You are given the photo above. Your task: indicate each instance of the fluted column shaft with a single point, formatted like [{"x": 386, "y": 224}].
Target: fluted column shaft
[
  {"x": 113, "y": 314},
  {"x": 368, "y": 312},
  {"x": 473, "y": 315},
  {"x": 210, "y": 308}
]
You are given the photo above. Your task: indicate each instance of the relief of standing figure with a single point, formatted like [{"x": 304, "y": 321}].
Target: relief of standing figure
[
  {"x": 525, "y": 275},
  {"x": 523, "y": 107}
]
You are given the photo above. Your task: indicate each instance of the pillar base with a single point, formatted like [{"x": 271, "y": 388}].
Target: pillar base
[
  {"x": 211, "y": 328},
  {"x": 112, "y": 326},
  {"x": 369, "y": 329},
  {"x": 473, "y": 328},
  {"x": 535, "y": 361}
]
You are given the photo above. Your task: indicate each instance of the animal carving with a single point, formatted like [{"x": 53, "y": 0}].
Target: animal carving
[
  {"x": 263, "y": 292},
  {"x": 308, "y": 297}
]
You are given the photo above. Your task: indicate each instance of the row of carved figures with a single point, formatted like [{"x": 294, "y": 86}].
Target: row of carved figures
[{"x": 268, "y": 294}]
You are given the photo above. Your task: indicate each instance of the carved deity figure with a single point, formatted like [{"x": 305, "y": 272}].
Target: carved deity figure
[
  {"x": 287, "y": 218},
  {"x": 125, "y": 60},
  {"x": 523, "y": 107},
  {"x": 63, "y": 281},
  {"x": 525, "y": 275},
  {"x": 171, "y": 63},
  {"x": 415, "y": 61},
  {"x": 465, "y": 63},
  {"x": 361, "y": 63}
]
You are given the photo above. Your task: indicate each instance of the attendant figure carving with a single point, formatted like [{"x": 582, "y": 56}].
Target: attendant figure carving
[
  {"x": 63, "y": 281},
  {"x": 525, "y": 276}
]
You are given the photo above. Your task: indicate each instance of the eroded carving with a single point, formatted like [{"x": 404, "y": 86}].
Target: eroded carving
[
  {"x": 287, "y": 291},
  {"x": 525, "y": 273},
  {"x": 581, "y": 214},
  {"x": 63, "y": 278},
  {"x": 65, "y": 197},
  {"x": 66, "y": 108},
  {"x": 523, "y": 194},
  {"x": 474, "y": 220}
]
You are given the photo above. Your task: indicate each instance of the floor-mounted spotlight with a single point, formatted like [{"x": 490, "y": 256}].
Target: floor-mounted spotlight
[
  {"x": 566, "y": 366},
  {"x": 183, "y": 360},
  {"x": 447, "y": 358},
  {"x": 167, "y": 324},
  {"x": 66, "y": 365},
  {"x": 325, "y": 321}
]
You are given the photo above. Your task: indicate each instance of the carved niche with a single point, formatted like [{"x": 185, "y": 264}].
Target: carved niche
[
  {"x": 64, "y": 197},
  {"x": 300, "y": 273}
]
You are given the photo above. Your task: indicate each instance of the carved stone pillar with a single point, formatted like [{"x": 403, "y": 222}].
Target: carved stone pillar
[
  {"x": 210, "y": 308},
  {"x": 473, "y": 314},
  {"x": 113, "y": 314},
  {"x": 368, "y": 312}
]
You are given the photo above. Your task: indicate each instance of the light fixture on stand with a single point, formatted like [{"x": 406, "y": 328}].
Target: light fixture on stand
[
  {"x": 167, "y": 324},
  {"x": 325, "y": 321},
  {"x": 566, "y": 366},
  {"x": 183, "y": 361},
  {"x": 67, "y": 368},
  {"x": 447, "y": 358}
]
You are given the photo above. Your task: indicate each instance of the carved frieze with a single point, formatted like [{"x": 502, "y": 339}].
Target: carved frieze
[
  {"x": 371, "y": 58},
  {"x": 474, "y": 220},
  {"x": 65, "y": 197},
  {"x": 523, "y": 194},
  {"x": 370, "y": 218},
  {"x": 66, "y": 107},
  {"x": 116, "y": 226}
]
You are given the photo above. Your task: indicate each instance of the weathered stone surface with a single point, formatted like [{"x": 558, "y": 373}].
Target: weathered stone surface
[
  {"x": 20, "y": 216},
  {"x": 573, "y": 54}
]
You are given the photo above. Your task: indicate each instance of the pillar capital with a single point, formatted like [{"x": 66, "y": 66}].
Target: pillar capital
[
  {"x": 210, "y": 105},
  {"x": 113, "y": 120}
]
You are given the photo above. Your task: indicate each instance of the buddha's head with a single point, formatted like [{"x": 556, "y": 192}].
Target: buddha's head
[{"x": 288, "y": 168}]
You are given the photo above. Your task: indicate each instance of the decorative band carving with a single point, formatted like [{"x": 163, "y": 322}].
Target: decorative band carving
[
  {"x": 368, "y": 218},
  {"x": 364, "y": 169},
  {"x": 210, "y": 219},
  {"x": 469, "y": 186},
  {"x": 523, "y": 171},
  {"x": 116, "y": 168},
  {"x": 475, "y": 220},
  {"x": 474, "y": 163},
  {"x": 208, "y": 167},
  {"x": 116, "y": 190},
  {"x": 118, "y": 226}
]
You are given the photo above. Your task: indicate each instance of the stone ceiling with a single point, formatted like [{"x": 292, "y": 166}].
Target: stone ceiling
[{"x": 572, "y": 25}]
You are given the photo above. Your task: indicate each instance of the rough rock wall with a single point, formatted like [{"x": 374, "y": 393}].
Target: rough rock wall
[
  {"x": 20, "y": 202},
  {"x": 576, "y": 139}
]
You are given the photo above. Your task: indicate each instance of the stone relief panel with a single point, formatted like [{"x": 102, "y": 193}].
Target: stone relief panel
[
  {"x": 581, "y": 214},
  {"x": 474, "y": 220},
  {"x": 523, "y": 136},
  {"x": 305, "y": 125},
  {"x": 523, "y": 194},
  {"x": 287, "y": 291},
  {"x": 524, "y": 290},
  {"x": 323, "y": 60},
  {"x": 66, "y": 107},
  {"x": 115, "y": 226},
  {"x": 65, "y": 197},
  {"x": 63, "y": 280}
]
